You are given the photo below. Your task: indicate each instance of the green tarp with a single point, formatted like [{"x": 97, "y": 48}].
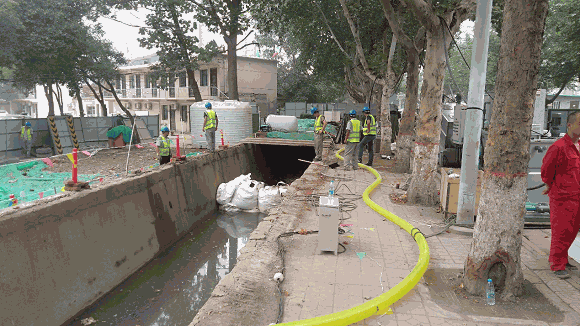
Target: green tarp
[
  {"x": 126, "y": 131},
  {"x": 305, "y": 131},
  {"x": 28, "y": 182}
]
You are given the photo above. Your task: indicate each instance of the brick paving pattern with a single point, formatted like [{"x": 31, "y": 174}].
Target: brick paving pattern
[{"x": 317, "y": 284}]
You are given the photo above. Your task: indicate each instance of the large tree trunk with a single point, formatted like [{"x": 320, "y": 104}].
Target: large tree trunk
[
  {"x": 388, "y": 90},
  {"x": 79, "y": 101},
  {"x": 497, "y": 238},
  {"x": 193, "y": 84},
  {"x": 424, "y": 185},
  {"x": 386, "y": 127},
  {"x": 405, "y": 137},
  {"x": 232, "y": 67},
  {"x": 58, "y": 95},
  {"x": 48, "y": 93}
]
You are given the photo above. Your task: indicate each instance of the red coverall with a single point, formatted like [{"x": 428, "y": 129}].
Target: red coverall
[{"x": 561, "y": 173}]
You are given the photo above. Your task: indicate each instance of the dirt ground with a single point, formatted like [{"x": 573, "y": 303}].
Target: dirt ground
[{"x": 112, "y": 162}]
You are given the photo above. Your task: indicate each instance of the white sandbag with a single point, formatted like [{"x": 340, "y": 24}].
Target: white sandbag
[
  {"x": 270, "y": 196},
  {"x": 246, "y": 196},
  {"x": 226, "y": 191},
  {"x": 285, "y": 123}
]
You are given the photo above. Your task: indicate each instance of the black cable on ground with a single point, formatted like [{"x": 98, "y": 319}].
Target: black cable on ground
[{"x": 536, "y": 187}]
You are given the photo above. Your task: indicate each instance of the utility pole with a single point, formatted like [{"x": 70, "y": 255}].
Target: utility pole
[{"x": 474, "y": 114}]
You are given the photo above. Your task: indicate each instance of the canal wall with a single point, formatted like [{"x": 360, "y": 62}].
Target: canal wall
[{"x": 60, "y": 256}]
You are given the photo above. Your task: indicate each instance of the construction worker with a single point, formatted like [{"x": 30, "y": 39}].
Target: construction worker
[
  {"x": 369, "y": 129},
  {"x": 319, "y": 127},
  {"x": 353, "y": 128},
  {"x": 26, "y": 137},
  {"x": 210, "y": 124},
  {"x": 163, "y": 148}
]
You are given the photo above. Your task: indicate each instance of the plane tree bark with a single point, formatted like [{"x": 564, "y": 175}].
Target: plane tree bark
[
  {"x": 412, "y": 48},
  {"x": 425, "y": 183},
  {"x": 387, "y": 81},
  {"x": 497, "y": 237}
]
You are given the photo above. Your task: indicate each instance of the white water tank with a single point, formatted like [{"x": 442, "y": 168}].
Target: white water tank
[
  {"x": 282, "y": 122},
  {"x": 234, "y": 117}
]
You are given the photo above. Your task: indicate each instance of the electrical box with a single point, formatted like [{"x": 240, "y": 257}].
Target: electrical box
[{"x": 328, "y": 224}]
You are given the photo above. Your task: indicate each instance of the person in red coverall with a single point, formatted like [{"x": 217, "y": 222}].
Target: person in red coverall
[{"x": 561, "y": 174}]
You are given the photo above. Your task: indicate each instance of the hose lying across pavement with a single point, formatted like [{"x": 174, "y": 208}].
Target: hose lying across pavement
[{"x": 381, "y": 304}]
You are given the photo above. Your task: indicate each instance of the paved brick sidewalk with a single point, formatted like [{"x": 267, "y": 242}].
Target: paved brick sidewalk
[{"x": 318, "y": 284}]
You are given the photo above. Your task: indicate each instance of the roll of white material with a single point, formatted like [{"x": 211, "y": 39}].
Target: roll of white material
[{"x": 282, "y": 122}]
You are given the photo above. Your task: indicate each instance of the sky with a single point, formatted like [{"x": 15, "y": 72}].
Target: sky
[{"x": 125, "y": 37}]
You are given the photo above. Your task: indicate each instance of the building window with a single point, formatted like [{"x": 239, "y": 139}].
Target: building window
[
  {"x": 147, "y": 81},
  {"x": 164, "y": 112},
  {"x": 138, "y": 85},
  {"x": 203, "y": 77},
  {"x": 91, "y": 111},
  {"x": 184, "y": 113},
  {"x": 182, "y": 79},
  {"x": 131, "y": 81}
]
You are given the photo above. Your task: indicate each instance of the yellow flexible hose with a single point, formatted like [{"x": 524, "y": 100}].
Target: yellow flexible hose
[{"x": 381, "y": 304}]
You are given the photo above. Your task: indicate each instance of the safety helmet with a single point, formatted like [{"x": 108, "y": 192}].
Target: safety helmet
[
  {"x": 28, "y": 124},
  {"x": 313, "y": 110},
  {"x": 352, "y": 113},
  {"x": 208, "y": 105},
  {"x": 164, "y": 129},
  {"x": 366, "y": 109}
]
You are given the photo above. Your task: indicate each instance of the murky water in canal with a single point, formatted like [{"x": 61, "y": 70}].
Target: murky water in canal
[{"x": 176, "y": 284}]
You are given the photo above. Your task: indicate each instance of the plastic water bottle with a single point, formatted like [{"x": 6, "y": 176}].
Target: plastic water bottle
[
  {"x": 490, "y": 293},
  {"x": 331, "y": 189}
]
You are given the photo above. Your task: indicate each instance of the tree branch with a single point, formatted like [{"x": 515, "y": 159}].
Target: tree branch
[
  {"x": 332, "y": 33},
  {"x": 250, "y": 33},
  {"x": 568, "y": 78},
  {"x": 253, "y": 43},
  {"x": 423, "y": 11},
  {"x": 359, "y": 48}
]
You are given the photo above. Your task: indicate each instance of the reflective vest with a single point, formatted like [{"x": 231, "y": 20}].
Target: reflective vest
[
  {"x": 318, "y": 124},
  {"x": 210, "y": 121},
  {"x": 26, "y": 134},
  {"x": 354, "y": 136},
  {"x": 164, "y": 148},
  {"x": 373, "y": 130}
]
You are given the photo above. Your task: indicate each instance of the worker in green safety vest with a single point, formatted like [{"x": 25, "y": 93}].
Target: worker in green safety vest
[
  {"x": 353, "y": 129},
  {"x": 163, "y": 147},
  {"x": 26, "y": 138},
  {"x": 319, "y": 127},
  {"x": 369, "y": 130},
  {"x": 210, "y": 124}
]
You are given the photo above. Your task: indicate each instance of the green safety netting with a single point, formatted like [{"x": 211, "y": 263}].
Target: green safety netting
[
  {"x": 28, "y": 182},
  {"x": 305, "y": 131},
  {"x": 126, "y": 131}
]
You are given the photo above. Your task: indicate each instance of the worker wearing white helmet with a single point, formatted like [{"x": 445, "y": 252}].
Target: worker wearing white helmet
[{"x": 210, "y": 124}]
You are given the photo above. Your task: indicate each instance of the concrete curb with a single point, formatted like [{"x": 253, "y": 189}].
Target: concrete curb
[{"x": 461, "y": 230}]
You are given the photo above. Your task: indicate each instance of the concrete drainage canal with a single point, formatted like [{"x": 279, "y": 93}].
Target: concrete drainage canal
[{"x": 171, "y": 288}]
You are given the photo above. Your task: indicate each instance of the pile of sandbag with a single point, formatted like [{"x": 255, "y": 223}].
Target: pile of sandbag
[{"x": 246, "y": 194}]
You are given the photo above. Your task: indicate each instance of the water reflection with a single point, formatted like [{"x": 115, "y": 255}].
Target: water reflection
[{"x": 175, "y": 285}]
